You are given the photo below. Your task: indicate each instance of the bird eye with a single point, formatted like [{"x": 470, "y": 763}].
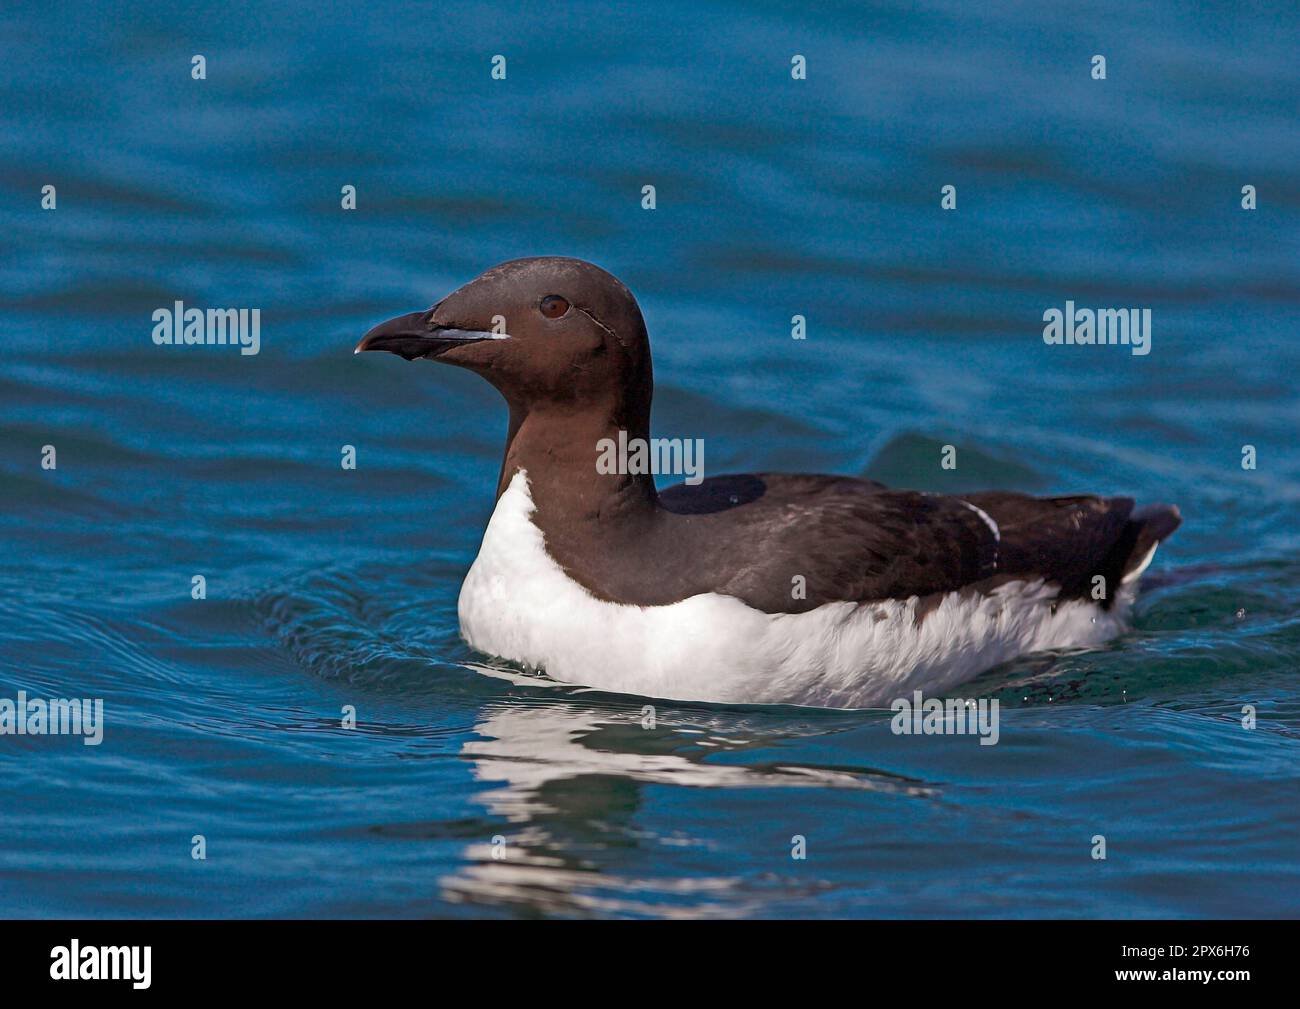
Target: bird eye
[{"x": 553, "y": 306}]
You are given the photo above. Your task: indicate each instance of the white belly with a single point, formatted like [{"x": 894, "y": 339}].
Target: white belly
[{"x": 517, "y": 603}]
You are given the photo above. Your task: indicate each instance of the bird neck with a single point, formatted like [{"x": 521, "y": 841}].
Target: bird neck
[{"x": 565, "y": 450}]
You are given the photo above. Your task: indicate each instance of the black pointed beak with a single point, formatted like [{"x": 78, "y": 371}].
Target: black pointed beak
[{"x": 414, "y": 335}]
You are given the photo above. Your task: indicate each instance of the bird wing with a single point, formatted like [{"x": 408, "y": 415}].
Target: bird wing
[{"x": 798, "y": 541}]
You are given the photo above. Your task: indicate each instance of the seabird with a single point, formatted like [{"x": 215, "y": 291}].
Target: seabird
[{"x": 755, "y": 588}]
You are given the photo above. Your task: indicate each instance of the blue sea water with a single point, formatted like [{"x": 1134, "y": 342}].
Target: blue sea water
[{"x": 329, "y": 588}]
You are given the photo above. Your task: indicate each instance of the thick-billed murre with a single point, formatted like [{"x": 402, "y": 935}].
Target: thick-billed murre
[{"x": 689, "y": 593}]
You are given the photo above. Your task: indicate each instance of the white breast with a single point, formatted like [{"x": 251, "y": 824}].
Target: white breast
[{"x": 517, "y": 603}]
